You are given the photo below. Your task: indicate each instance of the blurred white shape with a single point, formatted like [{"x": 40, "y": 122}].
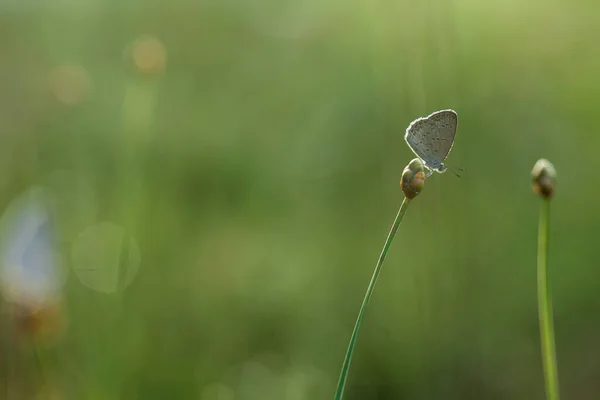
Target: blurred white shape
[
  {"x": 30, "y": 271},
  {"x": 217, "y": 391},
  {"x": 104, "y": 258}
]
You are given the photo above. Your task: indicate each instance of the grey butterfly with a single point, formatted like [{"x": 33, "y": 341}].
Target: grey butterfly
[{"x": 431, "y": 138}]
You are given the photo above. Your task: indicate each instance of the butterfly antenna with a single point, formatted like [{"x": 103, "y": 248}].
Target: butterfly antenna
[{"x": 453, "y": 170}]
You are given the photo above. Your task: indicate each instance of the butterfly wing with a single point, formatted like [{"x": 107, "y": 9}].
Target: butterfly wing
[{"x": 431, "y": 138}]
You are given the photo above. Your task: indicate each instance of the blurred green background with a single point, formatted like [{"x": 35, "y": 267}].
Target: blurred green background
[{"x": 223, "y": 174}]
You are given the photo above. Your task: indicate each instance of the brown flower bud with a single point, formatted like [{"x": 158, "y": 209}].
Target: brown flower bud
[
  {"x": 70, "y": 84},
  {"x": 413, "y": 179},
  {"x": 149, "y": 55}
]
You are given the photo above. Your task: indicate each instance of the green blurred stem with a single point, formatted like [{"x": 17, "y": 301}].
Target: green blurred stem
[
  {"x": 346, "y": 365},
  {"x": 545, "y": 307}
]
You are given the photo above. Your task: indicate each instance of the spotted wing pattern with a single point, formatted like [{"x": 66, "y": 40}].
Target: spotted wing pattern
[{"x": 431, "y": 138}]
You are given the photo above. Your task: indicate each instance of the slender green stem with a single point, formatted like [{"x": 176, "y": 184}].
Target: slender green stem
[
  {"x": 545, "y": 307},
  {"x": 346, "y": 365},
  {"x": 40, "y": 365}
]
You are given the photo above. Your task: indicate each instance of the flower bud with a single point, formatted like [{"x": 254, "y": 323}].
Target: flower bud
[
  {"x": 413, "y": 179},
  {"x": 543, "y": 177},
  {"x": 149, "y": 55}
]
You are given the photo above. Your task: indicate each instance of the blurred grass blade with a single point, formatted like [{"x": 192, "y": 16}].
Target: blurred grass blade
[
  {"x": 348, "y": 358},
  {"x": 545, "y": 306}
]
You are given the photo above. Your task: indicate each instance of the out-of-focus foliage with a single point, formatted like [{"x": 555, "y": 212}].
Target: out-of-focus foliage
[{"x": 221, "y": 176}]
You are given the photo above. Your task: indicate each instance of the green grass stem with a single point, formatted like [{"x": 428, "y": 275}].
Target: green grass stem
[
  {"x": 545, "y": 307},
  {"x": 348, "y": 358}
]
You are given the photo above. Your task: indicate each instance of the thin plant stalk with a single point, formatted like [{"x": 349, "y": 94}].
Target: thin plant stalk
[
  {"x": 545, "y": 307},
  {"x": 348, "y": 358}
]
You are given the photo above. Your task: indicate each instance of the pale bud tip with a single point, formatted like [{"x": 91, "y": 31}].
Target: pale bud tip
[{"x": 543, "y": 177}]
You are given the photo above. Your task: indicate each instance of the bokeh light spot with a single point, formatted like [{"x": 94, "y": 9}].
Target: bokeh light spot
[{"x": 104, "y": 258}]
